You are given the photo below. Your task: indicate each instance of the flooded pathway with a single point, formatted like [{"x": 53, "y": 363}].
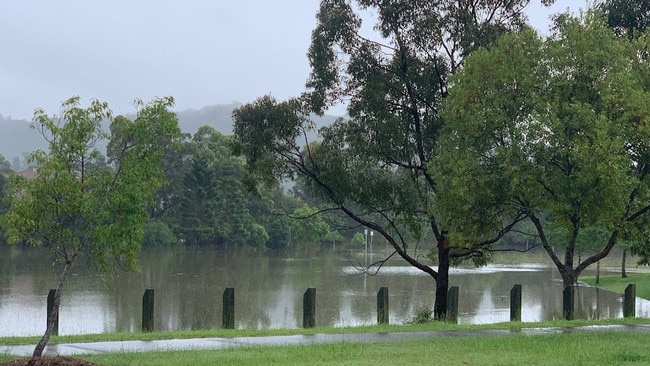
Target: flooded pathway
[{"x": 76, "y": 349}]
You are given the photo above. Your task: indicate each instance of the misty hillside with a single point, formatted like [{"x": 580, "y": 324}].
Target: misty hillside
[
  {"x": 17, "y": 139},
  {"x": 218, "y": 116}
]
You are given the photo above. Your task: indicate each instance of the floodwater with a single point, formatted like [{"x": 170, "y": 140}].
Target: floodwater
[{"x": 269, "y": 289}]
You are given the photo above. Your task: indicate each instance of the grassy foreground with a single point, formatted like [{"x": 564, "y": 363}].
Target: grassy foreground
[
  {"x": 592, "y": 348},
  {"x": 618, "y": 284}
]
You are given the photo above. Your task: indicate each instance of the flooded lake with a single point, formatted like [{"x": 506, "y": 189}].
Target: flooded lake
[{"x": 268, "y": 292}]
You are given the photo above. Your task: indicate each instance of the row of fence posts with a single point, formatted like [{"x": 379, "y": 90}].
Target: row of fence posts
[{"x": 309, "y": 306}]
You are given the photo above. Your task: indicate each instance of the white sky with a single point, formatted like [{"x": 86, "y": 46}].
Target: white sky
[{"x": 200, "y": 52}]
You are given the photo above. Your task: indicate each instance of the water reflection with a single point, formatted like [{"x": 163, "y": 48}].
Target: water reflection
[
  {"x": 283, "y": 311},
  {"x": 268, "y": 292}
]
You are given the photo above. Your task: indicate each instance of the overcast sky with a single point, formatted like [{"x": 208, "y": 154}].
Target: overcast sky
[{"x": 200, "y": 52}]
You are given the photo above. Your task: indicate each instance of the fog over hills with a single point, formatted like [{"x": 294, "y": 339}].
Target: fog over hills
[{"x": 17, "y": 139}]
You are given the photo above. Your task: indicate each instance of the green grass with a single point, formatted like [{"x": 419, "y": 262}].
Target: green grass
[
  {"x": 617, "y": 284},
  {"x": 589, "y": 348}
]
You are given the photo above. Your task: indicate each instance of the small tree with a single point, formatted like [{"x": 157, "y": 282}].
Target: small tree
[
  {"x": 74, "y": 206},
  {"x": 358, "y": 240}
]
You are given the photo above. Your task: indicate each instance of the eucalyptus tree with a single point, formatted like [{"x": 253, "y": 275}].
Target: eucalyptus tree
[
  {"x": 557, "y": 128},
  {"x": 77, "y": 208},
  {"x": 394, "y": 74}
]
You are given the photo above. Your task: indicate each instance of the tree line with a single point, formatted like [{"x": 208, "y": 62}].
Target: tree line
[{"x": 205, "y": 202}]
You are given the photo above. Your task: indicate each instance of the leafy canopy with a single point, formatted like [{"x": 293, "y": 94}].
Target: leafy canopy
[{"x": 556, "y": 128}]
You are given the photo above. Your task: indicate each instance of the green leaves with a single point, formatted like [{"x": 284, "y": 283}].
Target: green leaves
[
  {"x": 550, "y": 127},
  {"x": 627, "y": 17},
  {"x": 266, "y": 129},
  {"x": 484, "y": 144}
]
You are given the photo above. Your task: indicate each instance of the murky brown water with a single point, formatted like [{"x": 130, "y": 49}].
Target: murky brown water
[{"x": 268, "y": 292}]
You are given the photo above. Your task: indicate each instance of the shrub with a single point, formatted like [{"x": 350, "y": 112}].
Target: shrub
[{"x": 422, "y": 315}]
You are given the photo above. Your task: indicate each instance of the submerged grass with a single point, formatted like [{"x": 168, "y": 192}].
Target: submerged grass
[
  {"x": 574, "y": 348},
  {"x": 232, "y": 333}
]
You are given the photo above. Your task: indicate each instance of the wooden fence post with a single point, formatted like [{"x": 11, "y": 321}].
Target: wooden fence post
[
  {"x": 452, "y": 304},
  {"x": 568, "y": 302},
  {"x": 382, "y": 306},
  {"x": 228, "y": 311},
  {"x": 147, "y": 310},
  {"x": 309, "y": 308},
  {"x": 515, "y": 303},
  {"x": 50, "y": 306},
  {"x": 629, "y": 301}
]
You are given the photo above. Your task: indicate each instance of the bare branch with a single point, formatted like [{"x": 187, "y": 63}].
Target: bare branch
[{"x": 375, "y": 266}]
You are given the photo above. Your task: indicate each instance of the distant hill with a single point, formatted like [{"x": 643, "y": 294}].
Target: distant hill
[
  {"x": 17, "y": 139},
  {"x": 218, "y": 116}
]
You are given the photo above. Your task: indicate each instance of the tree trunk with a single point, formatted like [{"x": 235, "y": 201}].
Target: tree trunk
[
  {"x": 40, "y": 347},
  {"x": 442, "y": 282},
  {"x": 598, "y": 273},
  {"x": 569, "y": 276},
  {"x": 623, "y": 273}
]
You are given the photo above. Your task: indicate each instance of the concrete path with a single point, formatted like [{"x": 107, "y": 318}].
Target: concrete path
[{"x": 71, "y": 349}]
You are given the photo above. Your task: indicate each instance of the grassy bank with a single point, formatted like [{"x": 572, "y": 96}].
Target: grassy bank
[
  {"x": 618, "y": 284},
  {"x": 592, "y": 348}
]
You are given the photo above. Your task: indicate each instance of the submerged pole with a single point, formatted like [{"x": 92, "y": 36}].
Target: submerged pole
[
  {"x": 228, "y": 311},
  {"x": 309, "y": 308},
  {"x": 515, "y": 303},
  {"x": 382, "y": 306},
  {"x": 629, "y": 301},
  {"x": 147, "y": 310},
  {"x": 452, "y": 305}
]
